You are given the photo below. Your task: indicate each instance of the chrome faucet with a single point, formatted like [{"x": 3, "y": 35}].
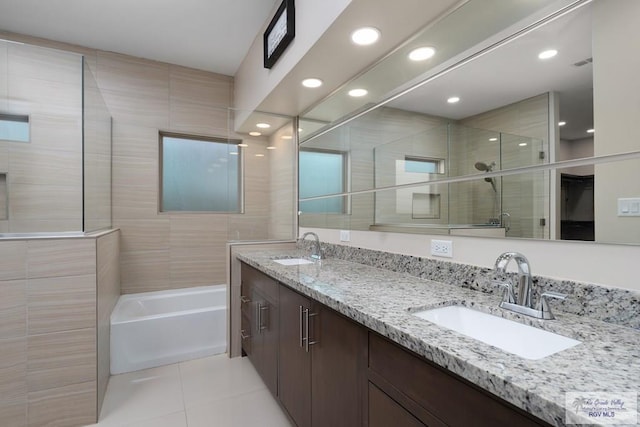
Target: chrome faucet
[
  {"x": 316, "y": 252},
  {"x": 523, "y": 303}
]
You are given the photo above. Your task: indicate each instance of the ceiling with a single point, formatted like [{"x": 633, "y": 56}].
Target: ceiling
[{"x": 211, "y": 35}]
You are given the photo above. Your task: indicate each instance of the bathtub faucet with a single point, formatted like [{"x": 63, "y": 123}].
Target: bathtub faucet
[{"x": 316, "y": 251}]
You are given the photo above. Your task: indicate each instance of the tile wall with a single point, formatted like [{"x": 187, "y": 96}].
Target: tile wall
[{"x": 50, "y": 330}]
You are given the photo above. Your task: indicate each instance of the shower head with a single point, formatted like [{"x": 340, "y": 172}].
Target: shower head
[{"x": 482, "y": 166}]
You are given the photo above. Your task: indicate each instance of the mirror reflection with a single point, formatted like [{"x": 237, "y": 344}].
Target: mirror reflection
[{"x": 527, "y": 103}]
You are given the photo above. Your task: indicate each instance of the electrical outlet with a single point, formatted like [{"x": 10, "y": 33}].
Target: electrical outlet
[
  {"x": 442, "y": 248},
  {"x": 345, "y": 235}
]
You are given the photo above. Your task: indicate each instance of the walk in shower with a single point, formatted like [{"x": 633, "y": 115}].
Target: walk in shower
[{"x": 55, "y": 143}]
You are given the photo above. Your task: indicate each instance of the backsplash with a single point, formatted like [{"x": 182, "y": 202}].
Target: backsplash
[{"x": 613, "y": 305}]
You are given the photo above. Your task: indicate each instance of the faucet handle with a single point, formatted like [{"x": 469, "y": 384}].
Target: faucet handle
[
  {"x": 543, "y": 304},
  {"x": 508, "y": 295}
]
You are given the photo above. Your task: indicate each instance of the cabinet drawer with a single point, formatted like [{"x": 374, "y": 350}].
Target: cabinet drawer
[
  {"x": 259, "y": 281},
  {"x": 385, "y": 412},
  {"x": 440, "y": 393}
]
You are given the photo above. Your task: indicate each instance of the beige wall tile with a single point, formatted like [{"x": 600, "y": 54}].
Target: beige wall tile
[
  {"x": 132, "y": 108},
  {"x": 108, "y": 289},
  {"x": 14, "y": 414},
  {"x": 32, "y": 165},
  {"x": 135, "y": 171},
  {"x": 13, "y": 260},
  {"x": 47, "y": 97},
  {"x": 73, "y": 405},
  {"x": 60, "y": 359},
  {"x": 202, "y": 87},
  {"x": 144, "y": 234},
  {"x": 13, "y": 309},
  {"x": 134, "y": 202},
  {"x": 144, "y": 271},
  {"x": 199, "y": 230},
  {"x": 133, "y": 75},
  {"x": 46, "y": 202},
  {"x": 61, "y": 303},
  {"x": 55, "y": 258},
  {"x": 198, "y": 119},
  {"x": 198, "y": 266},
  {"x": 53, "y": 131},
  {"x": 133, "y": 140},
  {"x": 45, "y": 64},
  {"x": 44, "y": 225},
  {"x": 13, "y": 370}
]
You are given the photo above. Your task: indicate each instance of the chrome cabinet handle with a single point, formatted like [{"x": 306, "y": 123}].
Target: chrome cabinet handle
[
  {"x": 258, "y": 318},
  {"x": 307, "y": 339},
  {"x": 300, "y": 324},
  {"x": 244, "y": 299},
  {"x": 261, "y": 324},
  {"x": 243, "y": 335}
]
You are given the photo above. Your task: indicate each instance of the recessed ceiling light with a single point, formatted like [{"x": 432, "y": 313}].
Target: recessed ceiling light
[
  {"x": 562, "y": 123},
  {"x": 287, "y": 137},
  {"x": 493, "y": 139},
  {"x": 591, "y": 130},
  {"x": 312, "y": 82},
  {"x": 259, "y": 155},
  {"x": 271, "y": 147},
  {"x": 523, "y": 144},
  {"x": 243, "y": 145},
  {"x": 356, "y": 93},
  {"x": 453, "y": 99},
  {"x": 255, "y": 133},
  {"x": 421, "y": 53},
  {"x": 365, "y": 36},
  {"x": 547, "y": 54},
  {"x": 263, "y": 125}
]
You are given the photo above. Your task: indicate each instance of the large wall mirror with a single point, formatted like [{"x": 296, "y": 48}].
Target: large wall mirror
[{"x": 529, "y": 135}]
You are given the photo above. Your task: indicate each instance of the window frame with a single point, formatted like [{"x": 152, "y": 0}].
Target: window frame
[
  {"x": 201, "y": 138},
  {"x": 438, "y": 162},
  {"x": 17, "y": 118}
]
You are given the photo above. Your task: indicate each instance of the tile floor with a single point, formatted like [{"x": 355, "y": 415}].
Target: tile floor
[{"x": 211, "y": 392}]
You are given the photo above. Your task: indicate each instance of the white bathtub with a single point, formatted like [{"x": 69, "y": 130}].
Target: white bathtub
[{"x": 157, "y": 328}]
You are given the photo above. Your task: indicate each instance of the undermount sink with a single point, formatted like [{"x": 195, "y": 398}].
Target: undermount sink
[
  {"x": 522, "y": 340},
  {"x": 293, "y": 261}
]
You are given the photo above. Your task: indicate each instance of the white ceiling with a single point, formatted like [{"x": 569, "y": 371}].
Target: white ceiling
[{"x": 212, "y": 35}]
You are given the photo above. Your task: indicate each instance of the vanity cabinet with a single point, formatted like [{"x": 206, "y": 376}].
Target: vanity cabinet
[
  {"x": 260, "y": 324},
  {"x": 433, "y": 396},
  {"x": 322, "y": 364},
  {"x": 327, "y": 370}
]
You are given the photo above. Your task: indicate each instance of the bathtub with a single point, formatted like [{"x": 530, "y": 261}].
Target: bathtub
[{"x": 157, "y": 328}]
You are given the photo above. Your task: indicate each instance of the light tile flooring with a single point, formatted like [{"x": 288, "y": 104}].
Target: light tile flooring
[{"x": 211, "y": 392}]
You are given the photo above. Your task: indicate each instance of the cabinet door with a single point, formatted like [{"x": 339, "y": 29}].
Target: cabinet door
[
  {"x": 265, "y": 341},
  {"x": 338, "y": 363},
  {"x": 294, "y": 366}
]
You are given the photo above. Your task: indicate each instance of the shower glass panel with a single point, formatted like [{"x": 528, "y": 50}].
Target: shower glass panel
[{"x": 97, "y": 155}]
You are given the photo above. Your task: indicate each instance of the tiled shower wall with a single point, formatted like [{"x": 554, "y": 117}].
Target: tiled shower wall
[
  {"x": 165, "y": 250},
  {"x": 44, "y": 176},
  {"x": 50, "y": 332}
]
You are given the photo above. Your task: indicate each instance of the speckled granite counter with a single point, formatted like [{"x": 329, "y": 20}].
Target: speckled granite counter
[{"x": 607, "y": 360}]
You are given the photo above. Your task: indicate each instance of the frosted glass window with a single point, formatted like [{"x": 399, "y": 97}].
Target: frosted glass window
[
  {"x": 322, "y": 173},
  {"x": 200, "y": 175},
  {"x": 14, "y": 128}
]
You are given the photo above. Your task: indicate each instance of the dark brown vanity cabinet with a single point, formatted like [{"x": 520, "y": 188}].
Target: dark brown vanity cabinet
[
  {"x": 322, "y": 364},
  {"x": 409, "y": 385},
  {"x": 329, "y": 371},
  {"x": 260, "y": 321}
]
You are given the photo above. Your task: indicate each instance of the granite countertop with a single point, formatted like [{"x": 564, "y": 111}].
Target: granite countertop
[{"x": 607, "y": 360}]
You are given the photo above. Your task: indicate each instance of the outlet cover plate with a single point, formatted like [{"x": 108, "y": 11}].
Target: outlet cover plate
[
  {"x": 345, "y": 235},
  {"x": 442, "y": 248}
]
